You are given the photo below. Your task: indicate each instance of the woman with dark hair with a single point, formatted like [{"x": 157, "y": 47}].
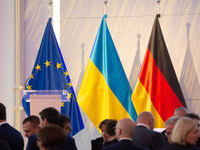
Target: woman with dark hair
[
  {"x": 50, "y": 138},
  {"x": 99, "y": 142},
  {"x": 184, "y": 135},
  {"x": 110, "y": 130}
]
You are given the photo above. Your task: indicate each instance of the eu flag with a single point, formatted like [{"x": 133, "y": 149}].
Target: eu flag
[{"x": 50, "y": 73}]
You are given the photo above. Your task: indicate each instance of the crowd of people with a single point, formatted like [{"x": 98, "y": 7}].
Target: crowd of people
[
  {"x": 181, "y": 133},
  {"x": 50, "y": 131}
]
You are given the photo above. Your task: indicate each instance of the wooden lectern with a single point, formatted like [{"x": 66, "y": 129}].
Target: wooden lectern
[{"x": 40, "y": 99}]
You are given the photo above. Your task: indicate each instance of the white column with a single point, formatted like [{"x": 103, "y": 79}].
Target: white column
[
  {"x": 17, "y": 63},
  {"x": 56, "y": 19}
]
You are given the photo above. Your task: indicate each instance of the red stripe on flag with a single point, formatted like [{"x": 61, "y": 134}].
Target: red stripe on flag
[{"x": 162, "y": 96}]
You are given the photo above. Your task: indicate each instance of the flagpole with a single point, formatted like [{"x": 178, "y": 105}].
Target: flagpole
[
  {"x": 50, "y": 2},
  {"x": 158, "y": 8},
  {"x": 105, "y": 8}
]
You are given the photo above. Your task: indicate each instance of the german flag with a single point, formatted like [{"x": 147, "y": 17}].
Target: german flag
[{"x": 157, "y": 89}]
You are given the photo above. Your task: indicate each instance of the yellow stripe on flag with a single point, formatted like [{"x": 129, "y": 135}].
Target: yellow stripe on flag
[
  {"x": 96, "y": 98},
  {"x": 142, "y": 102}
]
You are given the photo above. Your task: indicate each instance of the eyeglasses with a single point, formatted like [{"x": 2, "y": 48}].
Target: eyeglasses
[
  {"x": 115, "y": 128},
  {"x": 168, "y": 133},
  {"x": 38, "y": 140}
]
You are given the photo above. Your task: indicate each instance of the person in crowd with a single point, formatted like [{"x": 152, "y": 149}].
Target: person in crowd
[
  {"x": 169, "y": 125},
  {"x": 65, "y": 123},
  {"x": 184, "y": 135},
  {"x": 12, "y": 136},
  {"x": 196, "y": 118},
  {"x": 180, "y": 111},
  {"x": 69, "y": 129},
  {"x": 50, "y": 138},
  {"x": 50, "y": 116},
  {"x": 193, "y": 116},
  {"x": 99, "y": 142},
  {"x": 124, "y": 131},
  {"x": 31, "y": 125},
  {"x": 4, "y": 145},
  {"x": 144, "y": 134},
  {"x": 110, "y": 130}
]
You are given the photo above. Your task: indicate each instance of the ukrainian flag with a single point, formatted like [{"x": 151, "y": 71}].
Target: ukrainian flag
[{"x": 105, "y": 92}]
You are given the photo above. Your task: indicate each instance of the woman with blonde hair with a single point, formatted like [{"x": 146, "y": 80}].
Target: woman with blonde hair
[{"x": 184, "y": 135}]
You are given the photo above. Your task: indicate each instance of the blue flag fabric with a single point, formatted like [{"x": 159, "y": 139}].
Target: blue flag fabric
[{"x": 50, "y": 73}]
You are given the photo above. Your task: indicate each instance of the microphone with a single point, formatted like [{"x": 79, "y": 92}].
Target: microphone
[
  {"x": 30, "y": 77},
  {"x": 61, "y": 77}
]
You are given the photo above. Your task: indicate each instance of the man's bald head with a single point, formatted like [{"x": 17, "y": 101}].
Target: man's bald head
[
  {"x": 146, "y": 118},
  {"x": 125, "y": 128},
  {"x": 180, "y": 111}
]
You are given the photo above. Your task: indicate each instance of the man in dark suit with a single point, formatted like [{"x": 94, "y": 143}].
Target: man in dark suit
[
  {"x": 124, "y": 131},
  {"x": 144, "y": 134},
  {"x": 4, "y": 145},
  {"x": 169, "y": 125},
  {"x": 31, "y": 125},
  {"x": 12, "y": 136},
  {"x": 50, "y": 116},
  {"x": 180, "y": 111}
]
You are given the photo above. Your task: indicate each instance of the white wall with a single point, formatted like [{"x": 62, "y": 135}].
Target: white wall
[{"x": 6, "y": 53}]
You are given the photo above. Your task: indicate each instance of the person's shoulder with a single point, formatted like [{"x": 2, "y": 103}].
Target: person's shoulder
[
  {"x": 32, "y": 138},
  {"x": 155, "y": 133},
  {"x": 158, "y": 134},
  {"x": 124, "y": 144},
  {"x": 175, "y": 146},
  {"x": 166, "y": 147},
  {"x": 195, "y": 148},
  {"x": 98, "y": 139},
  {"x": 110, "y": 147},
  {"x": 138, "y": 147},
  {"x": 6, "y": 128},
  {"x": 70, "y": 143},
  {"x": 4, "y": 145},
  {"x": 69, "y": 138},
  {"x": 141, "y": 127},
  {"x": 32, "y": 144}
]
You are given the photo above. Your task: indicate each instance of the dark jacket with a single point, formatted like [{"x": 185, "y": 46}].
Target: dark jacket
[
  {"x": 12, "y": 136},
  {"x": 69, "y": 143},
  {"x": 148, "y": 138},
  {"x": 175, "y": 146},
  {"x": 124, "y": 145},
  {"x": 97, "y": 143}
]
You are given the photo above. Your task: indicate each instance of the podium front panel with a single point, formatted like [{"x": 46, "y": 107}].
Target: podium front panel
[{"x": 40, "y": 102}]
